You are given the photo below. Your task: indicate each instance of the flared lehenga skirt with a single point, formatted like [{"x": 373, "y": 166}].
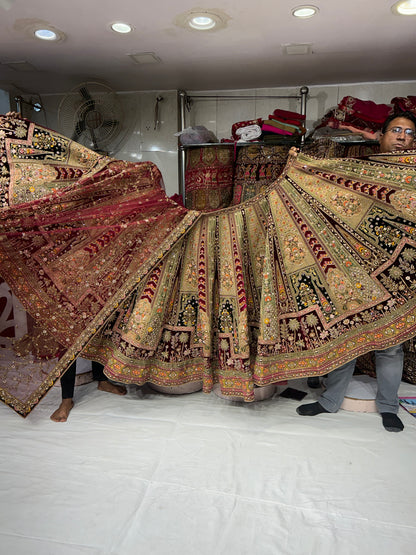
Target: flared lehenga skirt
[{"x": 314, "y": 271}]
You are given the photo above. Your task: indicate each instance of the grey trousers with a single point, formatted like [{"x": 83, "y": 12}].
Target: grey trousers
[{"x": 389, "y": 369}]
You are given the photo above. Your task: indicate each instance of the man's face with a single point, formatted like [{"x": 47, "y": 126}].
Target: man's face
[{"x": 399, "y": 135}]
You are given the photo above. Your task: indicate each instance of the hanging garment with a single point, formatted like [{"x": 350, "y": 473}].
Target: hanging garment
[
  {"x": 256, "y": 167},
  {"x": 313, "y": 272},
  {"x": 209, "y": 177}
]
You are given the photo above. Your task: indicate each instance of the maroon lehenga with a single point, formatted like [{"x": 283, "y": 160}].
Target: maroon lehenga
[{"x": 314, "y": 271}]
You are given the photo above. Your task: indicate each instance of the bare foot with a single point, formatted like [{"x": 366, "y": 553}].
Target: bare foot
[
  {"x": 110, "y": 387},
  {"x": 62, "y": 412}
]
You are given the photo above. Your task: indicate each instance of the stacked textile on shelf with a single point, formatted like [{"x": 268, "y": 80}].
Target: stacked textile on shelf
[
  {"x": 404, "y": 104},
  {"x": 364, "y": 117},
  {"x": 246, "y": 131},
  {"x": 283, "y": 122},
  {"x": 281, "y": 125}
]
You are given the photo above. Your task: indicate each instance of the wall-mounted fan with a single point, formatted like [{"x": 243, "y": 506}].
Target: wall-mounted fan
[{"x": 91, "y": 114}]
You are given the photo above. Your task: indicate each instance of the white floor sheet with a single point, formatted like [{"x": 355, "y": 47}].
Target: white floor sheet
[{"x": 152, "y": 474}]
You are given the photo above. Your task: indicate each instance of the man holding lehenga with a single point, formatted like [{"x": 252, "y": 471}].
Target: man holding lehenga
[
  {"x": 292, "y": 283},
  {"x": 398, "y": 134}
]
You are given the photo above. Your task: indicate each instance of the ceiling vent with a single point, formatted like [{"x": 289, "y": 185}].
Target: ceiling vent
[
  {"x": 19, "y": 66},
  {"x": 297, "y": 49},
  {"x": 145, "y": 58}
]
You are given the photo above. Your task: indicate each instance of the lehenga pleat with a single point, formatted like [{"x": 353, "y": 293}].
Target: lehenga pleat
[{"x": 314, "y": 271}]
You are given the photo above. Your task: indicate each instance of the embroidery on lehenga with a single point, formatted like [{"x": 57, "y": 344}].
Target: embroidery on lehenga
[{"x": 314, "y": 271}]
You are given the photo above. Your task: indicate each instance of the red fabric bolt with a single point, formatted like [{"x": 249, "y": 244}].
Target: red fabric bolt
[{"x": 286, "y": 114}]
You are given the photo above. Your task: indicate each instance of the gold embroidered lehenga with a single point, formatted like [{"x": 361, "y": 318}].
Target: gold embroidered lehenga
[{"x": 314, "y": 271}]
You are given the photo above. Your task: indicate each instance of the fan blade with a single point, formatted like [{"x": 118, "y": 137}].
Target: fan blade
[
  {"x": 110, "y": 123},
  {"x": 94, "y": 140},
  {"x": 90, "y": 102},
  {"x": 79, "y": 129}
]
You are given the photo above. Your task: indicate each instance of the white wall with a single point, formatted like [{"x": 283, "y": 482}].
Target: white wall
[
  {"x": 4, "y": 102},
  {"x": 219, "y": 115},
  {"x": 143, "y": 142}
]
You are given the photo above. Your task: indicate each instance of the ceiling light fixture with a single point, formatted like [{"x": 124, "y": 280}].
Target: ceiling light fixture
[
  {"x": 46, "y": 34},
  {"x": 202, "y": 22},
  {"x": 38, "y": 29},
  {"x": 407, "y": 7},
  {"x": 119, "y": 27},
  {"x": 198, "y": 19},
  {"x": 304, "y": 12}
]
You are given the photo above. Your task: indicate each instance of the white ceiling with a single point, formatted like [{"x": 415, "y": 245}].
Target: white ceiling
[{"x": 352, "y": 41}]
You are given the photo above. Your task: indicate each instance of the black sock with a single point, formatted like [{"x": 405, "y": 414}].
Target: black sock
[
  {"x": 311, "y": 409},
  {"x": 314, "y": 382},
  {"x": 392, "y": 422}
]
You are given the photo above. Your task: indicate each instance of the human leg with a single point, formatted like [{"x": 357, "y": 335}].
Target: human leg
[
  {"x": 68, "y": 382},
  {"x": 314, "y": 382},
  {"x": 331, "y": 399},
  {"x": 103, "y": 383},
  {"x": 389, "y": 370},
  {"x": 98, "y": 372},
  {"x": 67, "y": 392}
]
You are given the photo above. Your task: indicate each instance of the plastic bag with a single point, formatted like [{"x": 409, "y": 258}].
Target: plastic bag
[{"x": 196, "y": 135}]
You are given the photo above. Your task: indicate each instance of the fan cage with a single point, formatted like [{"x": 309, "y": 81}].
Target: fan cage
[{"x": 91, "y": 114}]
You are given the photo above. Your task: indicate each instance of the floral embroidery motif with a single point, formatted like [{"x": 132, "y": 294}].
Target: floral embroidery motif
[{"x": 314, "y": 271}]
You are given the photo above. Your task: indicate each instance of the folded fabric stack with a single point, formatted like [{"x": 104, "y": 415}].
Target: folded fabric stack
[
  {"x": 404, "y": 104},
  {"x": 246, "y": 131},
  {"x": 357, "y": 116},
  {"x": 283, "y": 122}
]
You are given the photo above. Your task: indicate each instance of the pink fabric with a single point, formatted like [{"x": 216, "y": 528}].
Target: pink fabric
[
  {"x": 273, "y": 129},
  {"x": 371, "y": 135}
]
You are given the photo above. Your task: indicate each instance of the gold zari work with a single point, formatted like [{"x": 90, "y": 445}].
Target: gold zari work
[{"x": 314, "y": 271}]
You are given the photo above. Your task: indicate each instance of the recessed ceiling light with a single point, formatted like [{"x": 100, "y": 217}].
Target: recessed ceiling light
[
  {"x": 199, "y": 19},
  {"x": 46, "y": 34},
  {"x": 121, "y": 27},
  {"x": 304, "y": 11},
  {"x": 202, "y": 22},
  {"x": 39, "y": 29},
  {"x": 408, "y": 7}
]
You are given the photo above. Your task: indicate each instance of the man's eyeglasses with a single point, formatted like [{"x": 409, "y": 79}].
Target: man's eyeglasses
[{"x": 398, "y": 130}]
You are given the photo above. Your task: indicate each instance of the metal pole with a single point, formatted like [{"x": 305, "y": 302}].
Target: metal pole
[
  {"x": 303, "y": 95},
  {"x": 181, "y": 153}
]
